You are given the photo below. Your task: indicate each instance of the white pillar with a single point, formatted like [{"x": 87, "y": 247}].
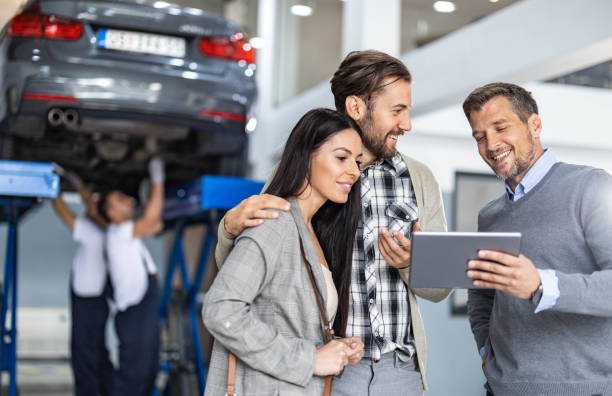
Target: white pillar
[
  {"x": 259, "y": 146},
  {"x": 372, "y": 24},
  {"x": 286, "y": 81}
]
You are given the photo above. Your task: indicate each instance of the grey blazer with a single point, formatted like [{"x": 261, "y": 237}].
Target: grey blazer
[{"x": 262, "y": 307}]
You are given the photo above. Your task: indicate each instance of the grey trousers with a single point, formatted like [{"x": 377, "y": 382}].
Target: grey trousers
[{"x": 389, "y": 376}]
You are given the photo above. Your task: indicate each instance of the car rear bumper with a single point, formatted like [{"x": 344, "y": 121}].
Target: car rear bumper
[{"x": 196, "y": 99}]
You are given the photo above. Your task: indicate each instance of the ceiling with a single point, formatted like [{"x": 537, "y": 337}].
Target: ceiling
[{"x": 422, "y": 24}]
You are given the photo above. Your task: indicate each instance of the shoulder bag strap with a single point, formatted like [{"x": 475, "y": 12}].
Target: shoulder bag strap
[
  {"x": 328, "y": 330},
  {"x": 231, "y": 375}
]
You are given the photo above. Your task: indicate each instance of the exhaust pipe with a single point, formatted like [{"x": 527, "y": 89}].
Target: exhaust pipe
[
  {"x": 55, "y": 117},
  {"x": 71, "y": 118}
]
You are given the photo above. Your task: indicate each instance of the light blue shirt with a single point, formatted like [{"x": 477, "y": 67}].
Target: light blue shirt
[{"x": 550, "y": 282}]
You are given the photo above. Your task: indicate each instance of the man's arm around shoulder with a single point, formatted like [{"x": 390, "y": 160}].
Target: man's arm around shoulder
[{"x": 251, "y": 212}]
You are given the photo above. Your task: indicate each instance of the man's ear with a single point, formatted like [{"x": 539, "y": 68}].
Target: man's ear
[
  {"x": 534, "y": 124},
  {"x": 355, "y": 107}
]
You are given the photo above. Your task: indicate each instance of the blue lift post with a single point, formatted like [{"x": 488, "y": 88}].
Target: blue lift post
[
  {"x": 21, "y": 184},
  {"x": 203, "y": 200}
]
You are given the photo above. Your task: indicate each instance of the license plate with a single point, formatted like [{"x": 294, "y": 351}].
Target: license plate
[{"x": 143, "y": 43}]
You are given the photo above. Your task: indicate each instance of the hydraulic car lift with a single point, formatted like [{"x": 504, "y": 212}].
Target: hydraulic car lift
[
  {"x": 202, "y": 201},
  {"x": 21, "y": 186}
]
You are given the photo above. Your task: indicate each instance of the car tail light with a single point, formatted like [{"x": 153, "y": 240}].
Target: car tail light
[
  {"x": 31, "y": 23},
  {"x": 236, "y": 47},
  {"x": 62, "y": 29},
  {"x": 28, "y": 23}
]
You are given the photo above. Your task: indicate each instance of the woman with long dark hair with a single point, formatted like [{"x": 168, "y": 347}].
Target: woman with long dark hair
[{"x": 288, "y": 277}]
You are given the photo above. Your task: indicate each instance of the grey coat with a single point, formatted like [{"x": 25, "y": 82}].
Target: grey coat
[{"x": 262, "y": 307}]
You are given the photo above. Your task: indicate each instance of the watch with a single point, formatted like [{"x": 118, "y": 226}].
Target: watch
[{"x": 537, "y": 295}]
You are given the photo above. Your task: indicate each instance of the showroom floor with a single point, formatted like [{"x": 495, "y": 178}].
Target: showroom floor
[{"x": 42, "y": 378}]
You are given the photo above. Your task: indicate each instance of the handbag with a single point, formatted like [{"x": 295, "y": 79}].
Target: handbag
[{"x": 231, "y": 367}]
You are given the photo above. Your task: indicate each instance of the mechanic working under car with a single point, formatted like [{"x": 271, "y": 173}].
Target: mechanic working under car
[{"x": 134, "y": 279}]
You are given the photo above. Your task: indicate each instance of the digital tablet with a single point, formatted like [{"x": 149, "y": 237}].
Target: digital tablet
[{"x": 439, "y": 259}]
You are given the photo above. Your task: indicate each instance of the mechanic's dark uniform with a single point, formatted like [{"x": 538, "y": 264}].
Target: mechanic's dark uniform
[
  {"x": 134, "y": 279},
  {"x": 89, "y": 292}
]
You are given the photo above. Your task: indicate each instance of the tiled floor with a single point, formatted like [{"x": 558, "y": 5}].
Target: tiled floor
[{"x": 42, "y": 378}]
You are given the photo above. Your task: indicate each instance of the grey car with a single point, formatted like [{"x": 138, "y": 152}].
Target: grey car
[{"x": 101, "y": 85}]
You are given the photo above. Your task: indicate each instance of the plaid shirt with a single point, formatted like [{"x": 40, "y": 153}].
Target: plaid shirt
[{"x": 389, "y": 202}]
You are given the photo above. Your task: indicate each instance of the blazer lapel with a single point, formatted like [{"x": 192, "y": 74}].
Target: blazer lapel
[{"x": 309, "y": 250}]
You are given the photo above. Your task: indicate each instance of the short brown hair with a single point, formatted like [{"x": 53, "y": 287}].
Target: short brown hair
[
  {"x": 522, "y": 102},
  {"x": 362, "y": 74}
]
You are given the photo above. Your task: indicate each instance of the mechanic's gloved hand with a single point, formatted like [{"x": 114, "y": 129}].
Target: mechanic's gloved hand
[
  {"x": 72, "y": 177},
  {"x": 156, "y": 170}
]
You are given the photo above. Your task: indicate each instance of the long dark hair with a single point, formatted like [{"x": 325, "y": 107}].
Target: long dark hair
[{"x": 334, "y": 224}]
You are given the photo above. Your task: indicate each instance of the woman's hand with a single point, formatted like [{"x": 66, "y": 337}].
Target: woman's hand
[
  {"x": 331, "y": 358},
  {"x": 356, "y": 351}
]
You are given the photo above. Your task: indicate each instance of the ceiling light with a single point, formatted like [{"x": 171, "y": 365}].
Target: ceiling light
[
  {"x": 301, "y": 10},
  {"x": 444, "y": 6},
  {"x": 493, "y": 1}
]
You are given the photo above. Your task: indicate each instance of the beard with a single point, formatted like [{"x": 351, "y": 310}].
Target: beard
[
  {"x": 519, "y": 165},
  {"x": 373, "y": 142}
]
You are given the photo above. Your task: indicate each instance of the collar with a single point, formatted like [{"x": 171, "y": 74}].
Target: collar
[
  {"x": 395, "y": 163},
  {"x": 535, "y": 174}
]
